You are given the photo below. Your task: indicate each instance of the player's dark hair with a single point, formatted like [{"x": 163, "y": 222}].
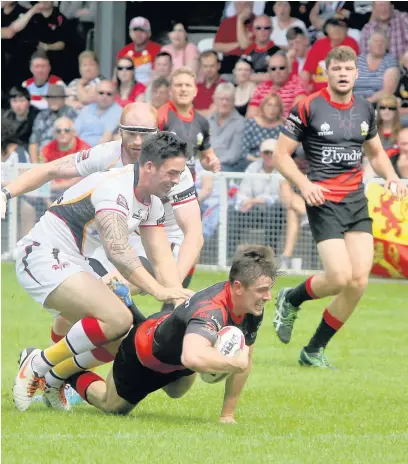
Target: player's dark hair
[
  {"x": 160, "y": 147},
  {"x": 342, "y": 53},
  {"x": 164, "y": 54},
  {"x": 251, "y": 262}
]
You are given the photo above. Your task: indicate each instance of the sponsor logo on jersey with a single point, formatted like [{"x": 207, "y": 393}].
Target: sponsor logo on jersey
[
  {"x": 121, "y": 201},
  {"x": 83, "y": 155},
  {"x": 60, "y": 266},
  {"x": 295, "y": 118},
  {"x": 200, "y": 139},
  {"x": 140, "y": 214},
  {"x": 161, "y": 220},
  {"x": 208, "y": 327},
  {"x": 332, "y": 155},
  {"x": 325, "y": 129},
  {"x": 190, "y": 192},
  {"x": 364, "y": 128},
  {"x": 290, "y": 126}
]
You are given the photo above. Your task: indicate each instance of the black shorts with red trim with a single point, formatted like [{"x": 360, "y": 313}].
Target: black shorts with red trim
[
  {"x": 333, "y": 220},
  {"x": 132, "y": 379}
]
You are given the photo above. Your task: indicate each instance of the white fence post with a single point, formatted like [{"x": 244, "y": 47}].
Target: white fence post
[{"x": 222, "y": 231}]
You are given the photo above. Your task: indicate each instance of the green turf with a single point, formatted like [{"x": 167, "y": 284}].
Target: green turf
[{"x": 287, "y": 414}]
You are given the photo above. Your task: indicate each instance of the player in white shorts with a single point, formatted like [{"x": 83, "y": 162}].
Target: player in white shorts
[
  {"x": 182, "y": 212},
  {"x": 52, "y": 260}
]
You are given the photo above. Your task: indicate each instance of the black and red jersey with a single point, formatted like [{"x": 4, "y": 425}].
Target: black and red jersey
[
  {"x": 332, "y": 135},
  {"x": 194, "y": 130},
  {"x": 159, "y": 340}
]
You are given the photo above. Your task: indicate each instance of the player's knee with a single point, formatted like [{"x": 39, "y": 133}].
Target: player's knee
[
  {"x": 359, "y": 283},
  {"x": 340, "y": 280},
  {"x": 119, "y": 323}
]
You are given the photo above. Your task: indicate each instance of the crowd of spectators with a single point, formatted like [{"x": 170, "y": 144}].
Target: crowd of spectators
[{"x": 264, "y": 58}]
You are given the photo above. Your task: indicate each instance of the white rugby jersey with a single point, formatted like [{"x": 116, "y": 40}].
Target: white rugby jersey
[
  {"x": 69, "y": 224},
  {"x": 108, "y": 155}
]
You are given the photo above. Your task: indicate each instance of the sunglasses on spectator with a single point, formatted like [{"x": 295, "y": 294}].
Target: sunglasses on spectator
[
  {"x": 67, "y": 130},
  {"x": 125, "y": 68},
  {"x": 109, "y": 94},
  {"x": 274, "y": 68},
  {"x": 391, "y": 108},
  {"x": 263, "y": 28}
]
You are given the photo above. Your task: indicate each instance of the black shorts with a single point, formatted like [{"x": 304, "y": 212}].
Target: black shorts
[
  {"x": 134, "y": 381},
  {"x": 332, "y": 220}
]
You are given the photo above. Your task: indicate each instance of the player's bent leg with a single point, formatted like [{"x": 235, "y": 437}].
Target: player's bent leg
[
  {"x": 360, "y": 250},
  {"x": 60, "y": 328},
  {"x": 180, "y": 387}
]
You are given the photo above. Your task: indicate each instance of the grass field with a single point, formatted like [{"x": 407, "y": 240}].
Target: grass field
[{"x": 287, "y": 414}]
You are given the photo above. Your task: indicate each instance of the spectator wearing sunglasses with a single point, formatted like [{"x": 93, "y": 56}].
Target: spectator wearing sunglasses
[
  {"x": 282, "y": 22},
  {"x": 142, "y": 50},
  {"x": 378, "y": 72},
  {"x": 96, "y": 122},
  {"x": 388, "y": 121},
  {"x": 261, "y": 49},
  {"x": 65, "y": 142},
  {"x": 42, "y": 132},
  {"x": 289, "y": 87},
  {"x": 127, "y": 89}
]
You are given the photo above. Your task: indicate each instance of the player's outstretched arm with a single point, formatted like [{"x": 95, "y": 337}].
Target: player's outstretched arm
[
  {"x": 63, "y": 168},
  {"x": 312, "y": 193},
  {"x": 382, "y": 166},
  {"x": 113, "y": 232},
  {"x": 233, "y": 388},
  {"x": 200, "y": 356},
  {"x": 188, "y": 218}
]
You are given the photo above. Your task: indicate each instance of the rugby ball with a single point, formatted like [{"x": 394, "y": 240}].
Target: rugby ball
[{"x": 230, "y": 340}]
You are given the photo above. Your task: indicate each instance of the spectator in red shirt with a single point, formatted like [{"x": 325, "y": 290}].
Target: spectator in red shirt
[
  {"x": 289, "y": 87},
  {"x": 261, "y": 48},
  {"x": 142, "y": 50},
  {"x": 209, "y": 66},
  {"x": 231, "y": 30},
  {"x": 315, "y": 68},
  {"x": 65, "y": 143},
  {"x": 127, "y": 90}
]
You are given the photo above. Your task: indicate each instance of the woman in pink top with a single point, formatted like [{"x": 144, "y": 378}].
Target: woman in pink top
[
  {"x": 127, "y": 90},
  {"x": 183, "y": 53}
]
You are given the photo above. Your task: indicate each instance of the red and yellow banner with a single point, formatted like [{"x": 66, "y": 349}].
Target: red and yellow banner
[{"x": 390, "y": 229}]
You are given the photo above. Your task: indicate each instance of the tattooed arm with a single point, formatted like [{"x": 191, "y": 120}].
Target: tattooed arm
[
  {"x": 114, "y": 235},
  {"x": 63, "y": 168}
]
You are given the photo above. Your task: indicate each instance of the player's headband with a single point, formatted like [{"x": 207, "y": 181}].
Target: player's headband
[{"x": 140, "y": 129}]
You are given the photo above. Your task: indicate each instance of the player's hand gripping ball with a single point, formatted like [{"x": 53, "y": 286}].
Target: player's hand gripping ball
[{"x": 230, "y": 341}]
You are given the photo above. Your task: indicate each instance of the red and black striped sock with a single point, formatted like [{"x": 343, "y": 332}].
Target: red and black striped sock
[
  {"x": 81, "y": 381},
  {"x": 301, "y": 293},
  {"x": 328, "y": 327}
]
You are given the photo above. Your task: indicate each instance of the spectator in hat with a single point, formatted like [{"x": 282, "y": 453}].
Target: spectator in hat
[
  {"x": 43, "y": 124},
  {"x": 142, "y": 50},
  {"x": 183, "y": 52},
  {"x": 21, "y": 114},
  {"x": 314, "y": 69},
  {"x": 41, "y": 79}
]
